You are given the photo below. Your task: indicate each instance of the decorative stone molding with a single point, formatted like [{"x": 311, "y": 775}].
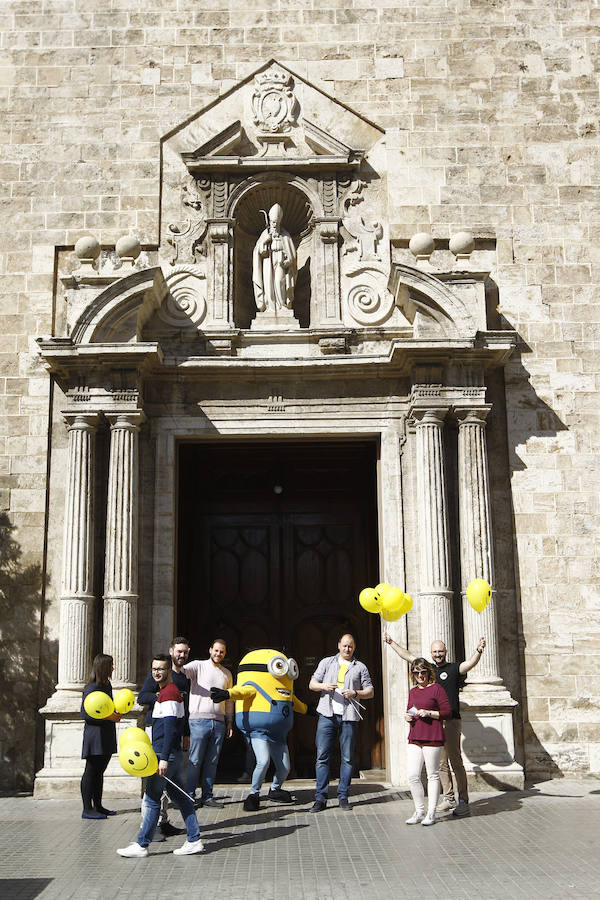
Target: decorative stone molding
[
  {"x": 425, "y": 300},
  {"x": 368, "y": 306},
  {"x": 274, "y": 104}
]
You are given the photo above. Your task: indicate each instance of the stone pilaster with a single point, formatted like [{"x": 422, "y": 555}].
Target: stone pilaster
[
  {"x": 121, "y": 575},
  {"x": 77, "y": 596},
  {"x": 391, "y": 537},
  {"x": 476, "y": 548},
  {"x": 328, "y": 305},
  {"x": 220, "y": 239},
  {"x": 434, "y": 555}
]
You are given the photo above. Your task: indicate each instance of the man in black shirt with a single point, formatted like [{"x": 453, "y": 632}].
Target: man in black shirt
[{"x": 449, "y": 676}]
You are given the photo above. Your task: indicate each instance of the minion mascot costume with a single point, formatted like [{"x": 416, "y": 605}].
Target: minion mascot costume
[{"x": 264, "y": 713}]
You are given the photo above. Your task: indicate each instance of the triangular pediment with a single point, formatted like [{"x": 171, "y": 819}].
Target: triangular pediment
[{"x": 274, "y": 117}]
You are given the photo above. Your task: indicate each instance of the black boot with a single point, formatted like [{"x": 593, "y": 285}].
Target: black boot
[{"x": 251, "y": 803}]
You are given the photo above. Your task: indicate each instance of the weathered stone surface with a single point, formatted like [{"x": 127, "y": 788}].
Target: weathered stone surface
[{"x": 489, "y": 129}]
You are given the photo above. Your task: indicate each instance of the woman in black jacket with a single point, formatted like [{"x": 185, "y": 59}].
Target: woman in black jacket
[{"x": 99, "y": 741}]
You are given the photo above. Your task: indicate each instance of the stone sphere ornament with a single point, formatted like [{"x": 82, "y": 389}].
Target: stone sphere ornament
[
  {"x": 128, "y": 247},
  {"x": 87, "y": 247},
  {"x": 462, "y": 243},
  {"x": 421, "y": 245}
]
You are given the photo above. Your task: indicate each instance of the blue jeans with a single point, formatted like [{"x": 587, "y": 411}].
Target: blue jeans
[
  {"x": 155, "y": 785},
  {"x": 328, "y": 730},
  {"x": 206, "y": 740},
  {"x": 264, "y": 752}
]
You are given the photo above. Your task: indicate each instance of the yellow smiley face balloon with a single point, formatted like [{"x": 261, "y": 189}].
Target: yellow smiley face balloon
[
  {"x": 370, "y": 600},
  {"x": 138, "y": 759},
  {"x": 98, "y": 705},
  {"x": 124, "y": 700},
  {"x": 479, "y": 594},
  {"x": 134, "y": 736}
]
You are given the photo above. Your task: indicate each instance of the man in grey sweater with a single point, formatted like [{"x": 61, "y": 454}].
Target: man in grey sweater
[{"x": 342, "y": 682}]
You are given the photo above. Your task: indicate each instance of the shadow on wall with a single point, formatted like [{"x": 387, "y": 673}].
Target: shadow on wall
[
  {"x": 529, "y": 419},
  {"x": 22, "y": 679}
]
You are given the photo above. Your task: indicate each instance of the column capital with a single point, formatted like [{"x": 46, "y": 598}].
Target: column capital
[
  {"x": 88, "y": 421},
  {"x": 472, "y": 415},
  {"x": 126, "y": 421},
  {"x": 429, "y": 415}
]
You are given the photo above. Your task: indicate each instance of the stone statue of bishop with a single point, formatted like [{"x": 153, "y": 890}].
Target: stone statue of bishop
[{"x": 274, "y": 265}]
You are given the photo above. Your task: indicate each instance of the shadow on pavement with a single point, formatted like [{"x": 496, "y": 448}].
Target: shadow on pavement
[{"x": 23, "y": 888}]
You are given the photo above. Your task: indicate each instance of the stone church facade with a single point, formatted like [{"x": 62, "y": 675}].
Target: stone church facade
[{"x": 217, "y": 425}]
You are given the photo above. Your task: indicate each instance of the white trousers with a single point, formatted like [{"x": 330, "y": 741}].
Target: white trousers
[{"x": 416, "y": 756}]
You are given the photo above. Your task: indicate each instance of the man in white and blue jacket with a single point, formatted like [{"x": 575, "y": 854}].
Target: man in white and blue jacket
[
  {"x": 342, "y": 682},
  {"x": 168, "y": 723}
]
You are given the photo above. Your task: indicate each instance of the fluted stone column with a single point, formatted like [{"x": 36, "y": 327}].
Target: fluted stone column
[
  {"x": 121, "y": 575},
  {"x": 77, "y": 596},
  {"x": 434, "y": 571},
  {"x": 476, "y": 549}
]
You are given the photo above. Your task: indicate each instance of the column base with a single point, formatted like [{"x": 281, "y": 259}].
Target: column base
[
  {"x": 488, "y": 742},
  {"x": 63, "y": 766}
]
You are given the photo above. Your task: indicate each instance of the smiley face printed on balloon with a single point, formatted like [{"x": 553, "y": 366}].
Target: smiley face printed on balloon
[
  {"x": 138, "y": 759},
  {"x": 98, "y": 705}
]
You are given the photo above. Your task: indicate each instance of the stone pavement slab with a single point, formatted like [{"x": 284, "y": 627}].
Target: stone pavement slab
[{"x": 540, "y": 842}]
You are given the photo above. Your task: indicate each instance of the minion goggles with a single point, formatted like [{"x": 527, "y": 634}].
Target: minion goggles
[{"x": 278, "y": 666}]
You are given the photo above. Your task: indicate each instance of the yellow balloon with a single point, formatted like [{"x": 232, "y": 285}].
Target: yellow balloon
[
  {"x": 134, "y": 736},
  {"x": 98, "y": 705},
  {"x": 479, "y": 594},
  {"x": 408, "y": 600},
  {"x": 124, "y": 700},
  {"x": 369, "y": 600},
  {"x": 392, "y": 600},
  {"x": 392, "y": 615},
  {"x": 381, "y": 588},
  {"x": 138, "y": 759}
]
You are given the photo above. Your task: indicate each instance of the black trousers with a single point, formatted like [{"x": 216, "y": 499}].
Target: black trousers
[{"x": 92, "y": 781}]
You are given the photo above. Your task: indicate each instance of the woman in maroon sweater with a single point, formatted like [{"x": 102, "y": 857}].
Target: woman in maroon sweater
[{"x": 428, "y": 705}]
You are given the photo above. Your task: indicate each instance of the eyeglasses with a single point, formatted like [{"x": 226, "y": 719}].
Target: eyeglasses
[
  {"x": 420, "y": 672},
  {"x": 160, "y": 669}
]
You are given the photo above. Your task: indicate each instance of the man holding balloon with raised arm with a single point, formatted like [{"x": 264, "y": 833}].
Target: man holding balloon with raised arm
[
  {"x": 448, "y": 675},
  {"x": 168, "y": 720}
]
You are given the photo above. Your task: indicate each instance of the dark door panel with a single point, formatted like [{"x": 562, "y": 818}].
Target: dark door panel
[{"x": 276, "y": 542}]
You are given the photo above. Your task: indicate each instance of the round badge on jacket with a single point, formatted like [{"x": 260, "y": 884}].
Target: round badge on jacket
[{"x": 443, "y": 675}]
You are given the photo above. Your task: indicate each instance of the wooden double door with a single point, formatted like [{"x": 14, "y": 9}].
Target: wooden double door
[{"x": 275, "y": 543}]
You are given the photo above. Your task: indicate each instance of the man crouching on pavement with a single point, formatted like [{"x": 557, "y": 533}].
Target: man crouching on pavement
[{"x": 168, "y": 718}]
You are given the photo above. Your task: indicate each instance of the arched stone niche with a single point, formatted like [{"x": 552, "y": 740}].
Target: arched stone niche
[{"x": 248, "y": 208}]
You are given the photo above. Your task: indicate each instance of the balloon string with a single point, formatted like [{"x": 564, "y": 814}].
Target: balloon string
[{"x": 185, "y": 793}]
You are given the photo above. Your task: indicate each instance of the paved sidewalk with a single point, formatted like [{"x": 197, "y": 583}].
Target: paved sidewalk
[{"x": 541, "y": 842}]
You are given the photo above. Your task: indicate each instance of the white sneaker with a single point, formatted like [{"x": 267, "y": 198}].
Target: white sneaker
[
  {"x": 446, "y": 804},
  {"x": 188, "y": 848},
  {"x": 133, "y": 850},
  {"x": 429, "y": 819},
  {"x": 415, "y": 818}
]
